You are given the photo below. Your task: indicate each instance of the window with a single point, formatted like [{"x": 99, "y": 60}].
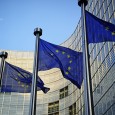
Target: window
[
  {"x": 64, "y": 92},
  {"x": 72, "y": 109},
  {"x": 53, "y": 108}
]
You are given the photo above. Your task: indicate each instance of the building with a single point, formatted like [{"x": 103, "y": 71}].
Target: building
[{"x": 64, "y": 98}]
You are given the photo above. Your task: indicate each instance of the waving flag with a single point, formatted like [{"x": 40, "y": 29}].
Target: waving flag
[
  {"x": 99, "y": 30},
  {"x": 16, "y": 79},
  {"x": 68, "y": 61}
]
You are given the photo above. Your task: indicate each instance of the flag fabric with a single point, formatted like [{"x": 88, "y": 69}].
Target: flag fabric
[
  {"x": 68, "y": 61},
  {"x": 99, "y": 30},
  {"x": 16, "y": 79}
]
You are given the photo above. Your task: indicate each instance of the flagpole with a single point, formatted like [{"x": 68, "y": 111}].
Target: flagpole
[
  {"x": 3, "y": 56},
  {"x": 89, "y": 106},
  {"x": 32, "y": 108}
]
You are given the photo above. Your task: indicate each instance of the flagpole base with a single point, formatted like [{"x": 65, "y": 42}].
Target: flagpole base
[
  {"x": 38, "y": 31},
  {"x": 80, "y": 2},
  {"x": 3, "y": 54}
]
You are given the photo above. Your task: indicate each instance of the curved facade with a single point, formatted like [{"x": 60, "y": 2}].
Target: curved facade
[{"x": 64, "y": 98}]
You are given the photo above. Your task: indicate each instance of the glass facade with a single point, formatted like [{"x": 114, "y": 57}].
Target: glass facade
[
  {"x": 53, "y": 108},
  {"x": 102, "y": 61},
  {"x": 72, "y": 109},
  {"x": 64, "y": 98},
  {"x": 64, "y": 92}
]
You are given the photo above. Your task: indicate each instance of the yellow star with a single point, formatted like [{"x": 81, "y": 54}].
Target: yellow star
[
  {"x": 68, "y": 56},
  {"x": 19, "y": 74},
  {"x": 63, "y": 52},
  {"x": 70, "y": 61},
  {"x": 26, "y": 75},
  {"x": 107, "y": 28},
  {"x": 27, "y": 86},
  {"x": 57, "y": 51},
  {"x": 69, "y": 68},
  {"x": 18, "y": 82},
  {"x": 66, "y": 73},
  {"x": 22, "y": 85},
  {"x": 113, "y": 33}
]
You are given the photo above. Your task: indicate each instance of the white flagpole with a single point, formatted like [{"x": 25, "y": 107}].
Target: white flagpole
[
  {"x": 32, "y": 109},
  {"x": 3, "y": 56},
  {"x": 89, "y": 107}
]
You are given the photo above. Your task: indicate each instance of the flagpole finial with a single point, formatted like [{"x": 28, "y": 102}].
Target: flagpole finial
[
  {"x": 38, "y": 31},
  {"x": 80, "y": 2},
  {"x": 3, "y": 54}
]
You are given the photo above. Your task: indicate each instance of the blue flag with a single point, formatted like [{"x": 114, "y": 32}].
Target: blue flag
[
  {"x": 16, "y": 79},
  {"x": 99, "y": 30},
  {"x": 68, "y": 61}
]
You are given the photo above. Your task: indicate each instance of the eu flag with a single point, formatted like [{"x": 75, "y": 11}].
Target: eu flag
[
  {"x": 68, "y": 61},
  {"x": 16, "y": 79},
  {"x": 99, "y": 30}
]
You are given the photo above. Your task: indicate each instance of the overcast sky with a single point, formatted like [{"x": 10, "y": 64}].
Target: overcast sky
[{"x": 18, "y": 19}]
